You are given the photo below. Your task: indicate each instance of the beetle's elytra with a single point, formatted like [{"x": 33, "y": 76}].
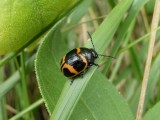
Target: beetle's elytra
[{"x": 75, "y": 62}]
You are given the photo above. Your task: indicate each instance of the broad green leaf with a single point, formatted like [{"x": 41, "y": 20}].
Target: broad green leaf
[
  {"x": 153, "y": 113},
  {"x": 102, "y": 37},
  {"x": 101, "y": 101},
  {"x": 50, "y": 79},
  {"x": 21, "y": 21}
]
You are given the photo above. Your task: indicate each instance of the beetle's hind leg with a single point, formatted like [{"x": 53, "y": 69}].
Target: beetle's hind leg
[
  {"x": 80, "y": 75},
  {"x": 72, "y": 81}
]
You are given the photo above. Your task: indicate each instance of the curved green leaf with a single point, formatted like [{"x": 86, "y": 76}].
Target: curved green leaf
[
  {"x": 101, "y": 101},
  {"x": 102, "y": 37},
  {"x": 21, "y": 21},
  {"x": 50, "y": 79}
]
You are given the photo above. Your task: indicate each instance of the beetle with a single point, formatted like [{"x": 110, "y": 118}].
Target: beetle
[{"x": 75, "y": 62}]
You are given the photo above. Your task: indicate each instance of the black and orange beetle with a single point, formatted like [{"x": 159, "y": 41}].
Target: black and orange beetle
[{"x": 75, "y": 62}]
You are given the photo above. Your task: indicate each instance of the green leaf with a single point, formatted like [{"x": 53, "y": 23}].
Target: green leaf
[
  {"x": 50, "y": 79},
  {"x": 101, "y": 101},
  {"x": 10, "y": 83},
  {"x": 153, "y": 113},
  {"x": 99, "y": 97},
  {"x": 21, "y": 21},
  {"x": 132, "y": 13}
]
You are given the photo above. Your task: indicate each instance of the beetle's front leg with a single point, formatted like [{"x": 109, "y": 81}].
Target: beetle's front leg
[{"x": 94, "y": 64}]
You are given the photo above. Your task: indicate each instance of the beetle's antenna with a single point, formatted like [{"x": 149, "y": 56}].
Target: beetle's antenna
[
  {"x": 95, "y": 50},
  {"x": 91, "y": 40},
  {"x": 107, "y": 56}
]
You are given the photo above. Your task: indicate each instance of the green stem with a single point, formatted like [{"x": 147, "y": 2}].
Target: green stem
[
  {"x": 25, "y": 102},
  {"x": 30, "y": 108},
  {"x": 12, "y": 80}
]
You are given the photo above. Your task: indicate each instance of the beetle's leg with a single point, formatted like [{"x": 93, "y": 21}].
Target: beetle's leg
[
  {"x": 72, "y": 81},
  {"x": 82, "y": 74},
  {"x": 94, "y": 64}
]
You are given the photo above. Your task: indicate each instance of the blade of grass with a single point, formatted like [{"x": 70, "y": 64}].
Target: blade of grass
[
  {"x": 120, "y": 58},
  {"x": 136, "y": 6},
  {"x": 28, "y": 109},
  {"x": 136, "y": 65},
  {"x": 11, "y": 81},
  {"x": 136, "y": 42},
  {"x": 24, "y": 82},
  {"x": 3, "y": 115}
]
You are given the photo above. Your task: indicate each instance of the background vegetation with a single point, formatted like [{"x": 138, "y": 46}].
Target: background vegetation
[{"x": 34, "y": 36}]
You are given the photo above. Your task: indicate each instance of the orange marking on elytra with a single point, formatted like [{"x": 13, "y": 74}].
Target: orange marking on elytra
[
  {"x": 71, "y": 69},
  {"x": 85, "y": 61},
  {"x": 63, "y": 60},
  {"x": 78, "y": 50}
]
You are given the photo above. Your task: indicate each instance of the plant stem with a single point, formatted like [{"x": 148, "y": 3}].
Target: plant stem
[
  {"x": 25, "y": 102},
  {"x": 30, "y": 108},
  {"x": 149, "y": 58}
]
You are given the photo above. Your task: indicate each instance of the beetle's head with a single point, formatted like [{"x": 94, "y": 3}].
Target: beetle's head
[{"x": 94, "y": 53}]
